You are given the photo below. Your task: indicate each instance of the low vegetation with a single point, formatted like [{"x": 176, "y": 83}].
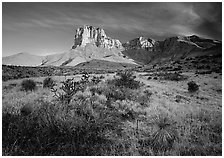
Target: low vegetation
[
  {"x": 192, "y": 86},
  {"x": 48, "y": 83},
  {"x": 126, "y": 79},
  {"x": 10, "y": 72},
  {"x": 170, "y": 76},
  {"x": 93, "y": 116},
  {"x": 28, "y": 85}
]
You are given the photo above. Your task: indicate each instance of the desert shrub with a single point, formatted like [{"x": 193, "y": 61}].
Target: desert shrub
[
  {"x": 127, "y": 79},
  {"x": 149, "y": 78},
  {"x": 192, "y": 86},
  {"x": 48, "y": 83},
  {"x": 28, "y": 85}
]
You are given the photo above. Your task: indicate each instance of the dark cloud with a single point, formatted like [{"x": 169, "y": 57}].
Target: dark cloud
[
  {"x": 210, "y": 29},
  {"x": 210, "y": 22}
]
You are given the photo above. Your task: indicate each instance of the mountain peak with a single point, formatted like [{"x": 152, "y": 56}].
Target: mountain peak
[{"x": 96, "y": 36}]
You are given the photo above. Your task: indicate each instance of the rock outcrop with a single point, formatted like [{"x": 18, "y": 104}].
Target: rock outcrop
[{"x": 96, "y": 36}]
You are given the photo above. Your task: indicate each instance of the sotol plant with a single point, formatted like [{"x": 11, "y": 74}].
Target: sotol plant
[{"x": 163, "y": 139}]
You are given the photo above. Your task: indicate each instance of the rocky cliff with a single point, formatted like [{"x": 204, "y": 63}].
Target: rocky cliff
[{"x": 96, "y": 36}]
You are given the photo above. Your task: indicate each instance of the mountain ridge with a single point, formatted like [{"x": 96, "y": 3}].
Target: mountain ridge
[{"x": 92, "y": 43}]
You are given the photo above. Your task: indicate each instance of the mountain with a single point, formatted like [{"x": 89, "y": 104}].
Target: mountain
[
  {"x": 92, "y": 43},
  {"x": 145, "y": 50},
  {"x": 89, "y": 43}
]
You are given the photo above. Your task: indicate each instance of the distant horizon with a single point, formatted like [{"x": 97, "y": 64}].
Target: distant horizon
[{"x": 45, "y": 28}]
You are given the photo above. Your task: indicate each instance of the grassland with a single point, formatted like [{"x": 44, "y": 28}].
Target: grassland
[{"x": 112, "y": 117}]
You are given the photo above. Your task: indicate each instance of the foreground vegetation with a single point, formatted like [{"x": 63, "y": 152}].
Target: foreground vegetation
[{"x": 97, "y": 116}]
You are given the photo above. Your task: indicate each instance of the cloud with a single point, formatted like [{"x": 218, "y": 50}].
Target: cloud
[{"x": 210, "y": 21}]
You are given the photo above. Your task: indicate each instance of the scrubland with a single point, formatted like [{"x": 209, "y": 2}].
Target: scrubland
[{"x": 114, "y": 114}]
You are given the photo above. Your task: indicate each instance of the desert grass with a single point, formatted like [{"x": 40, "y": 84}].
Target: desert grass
[{"x": 105, "y": 119}]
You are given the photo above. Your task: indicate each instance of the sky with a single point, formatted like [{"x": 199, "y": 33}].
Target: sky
[{"x": 43, "y": 28}]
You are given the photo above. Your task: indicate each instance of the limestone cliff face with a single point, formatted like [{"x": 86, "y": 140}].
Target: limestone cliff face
[{"x": 96, "y": 36}]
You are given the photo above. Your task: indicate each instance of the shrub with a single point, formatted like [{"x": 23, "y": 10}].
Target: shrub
[
  {"x": 192, "y": 86},
  {"x": 48, "y": 83},
  {"x": 127, "y": 79},
  {"x": 28, "y": 85}
]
